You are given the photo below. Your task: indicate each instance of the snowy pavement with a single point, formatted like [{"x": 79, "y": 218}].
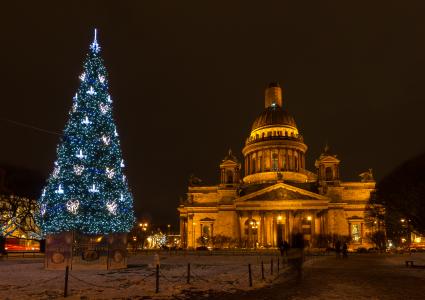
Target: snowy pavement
[
  {"x": 26, "y": 278},
  {"x": 364, "y": 276}
]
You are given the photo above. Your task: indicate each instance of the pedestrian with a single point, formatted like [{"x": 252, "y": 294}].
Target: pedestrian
[
  {"x": 338, "y": 249},
  {"x": 285, "y": 247},
  {"x": 281, "y": 247},
  {"x": 345, "y": 250},
  {"x": 297, "y": 261}
]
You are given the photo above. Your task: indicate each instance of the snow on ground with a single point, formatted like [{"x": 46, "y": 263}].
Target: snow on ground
[{"x": 26, "y": 278}]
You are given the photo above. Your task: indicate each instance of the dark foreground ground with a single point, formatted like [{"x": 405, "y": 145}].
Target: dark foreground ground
[{"x": 369, "y": 276}]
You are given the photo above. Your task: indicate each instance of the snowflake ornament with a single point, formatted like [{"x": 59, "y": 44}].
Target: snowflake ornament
[
  {"x": 78, "y": 169},
  {"x": 101, "y": 78},
  {"x": 43, "y": 208},
  {"x": 106, "y": 140},
  {"x": 56, "y": 171},
  {"x": 103, "y": 108},
  {"x": 82, "y": 76},
  {"x": 72, "y": 206},
  {"x": 110, "y": 173},
  {"x": 112, "y": 206}
]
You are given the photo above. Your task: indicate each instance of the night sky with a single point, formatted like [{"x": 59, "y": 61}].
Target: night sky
[{"x": 188, "y": 79}]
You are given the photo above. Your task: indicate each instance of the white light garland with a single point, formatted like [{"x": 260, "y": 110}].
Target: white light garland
[
  {"x": 43, "y": 193},
  {"x": 106, "y": 140},
  {"x": 103, "y": 108},
  {"x": 94, "y": 189},
  {"x": 91, "y": 91},
  {"x": 110, "y": 173},
  {"x": 78, "y": 169},
  {"x": 109, "y": 99},
  {"x": 122, "y": 197},
  {"x": 115, "y": 132},
  {"x": 74, "y": 107},
  {"x": 72, "y": 206},
  {"x": 112, "y": 207},
  {"x": 82, "y": 76},
  {"x": 123, "y": 178},
  {"x": 122, "y": 163}
]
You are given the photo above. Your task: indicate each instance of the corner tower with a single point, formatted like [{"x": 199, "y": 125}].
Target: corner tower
[{"x": 274, "y": 150}]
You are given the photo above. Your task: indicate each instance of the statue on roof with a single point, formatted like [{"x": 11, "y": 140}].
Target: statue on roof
[
  {"x": 194, "y": 181},
  {"x": 367, "y": 176}
]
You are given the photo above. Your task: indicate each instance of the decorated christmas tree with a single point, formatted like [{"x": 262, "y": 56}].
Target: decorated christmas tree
[{"x": 87, "y": 191}]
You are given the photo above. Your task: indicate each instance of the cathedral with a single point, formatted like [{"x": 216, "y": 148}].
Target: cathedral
[{"x": 277, "y": 197}]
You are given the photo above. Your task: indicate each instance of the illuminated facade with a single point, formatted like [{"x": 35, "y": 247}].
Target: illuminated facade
[{"x": 278, "y": 196}]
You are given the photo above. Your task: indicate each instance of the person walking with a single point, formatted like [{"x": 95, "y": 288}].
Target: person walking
[
  {"x": 297, "y": 261},
  {"x": 285, "y": 247},
  {"x": 345, "y": 250},
  {"x": 281, "y": 247},
  {"x": 338, "y": 249}
]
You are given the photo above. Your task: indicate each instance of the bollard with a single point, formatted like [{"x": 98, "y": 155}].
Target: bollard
[
  {"x": 249, "y": 275},
  {"x": 262, "y": 270},
  {"x": 188, "y": 273},
  {"x": 271, "y": 266},
  {"x": 65, "y": 290},
  {"x": 157, "y": 279},
  {"x": 278, "y": 265}
]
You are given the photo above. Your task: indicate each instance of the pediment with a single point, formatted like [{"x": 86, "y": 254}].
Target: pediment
[
  {"x": 329, "y": 159},
  {"x": 282, "y": 191}
]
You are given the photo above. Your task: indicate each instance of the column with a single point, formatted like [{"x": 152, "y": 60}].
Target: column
[
  {"x": 263, "y": 229},
  {"x": 291, "y": 226}
]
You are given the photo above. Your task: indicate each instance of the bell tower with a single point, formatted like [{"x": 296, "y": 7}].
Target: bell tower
[
  {"x": 230, "y": 170},
  {"x": 327, "y": 166}
]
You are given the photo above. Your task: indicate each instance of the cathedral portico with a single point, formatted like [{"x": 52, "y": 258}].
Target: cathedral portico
[{"x": 276, "y": 196}]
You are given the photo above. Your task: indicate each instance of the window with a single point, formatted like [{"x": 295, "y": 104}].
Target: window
[
  {"x": 229, "y": 175},
  {"x": 275, "y": 161},
  {"x": 356, "y": 232},
  {"x": 206, "y": 230},
  {"x": 328, "y": 173}
]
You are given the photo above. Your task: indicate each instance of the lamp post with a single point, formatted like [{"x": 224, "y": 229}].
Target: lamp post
[{"x": 143, "y": 229}]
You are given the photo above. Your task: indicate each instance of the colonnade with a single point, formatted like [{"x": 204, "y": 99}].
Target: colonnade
[
  {"x": 274, "y": 159},
  {"x": 269, "y": 228}
]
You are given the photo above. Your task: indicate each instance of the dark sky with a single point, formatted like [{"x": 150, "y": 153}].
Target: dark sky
[{"x": 188, "y": 78}]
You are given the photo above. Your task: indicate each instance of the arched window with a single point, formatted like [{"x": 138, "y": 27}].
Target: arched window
[
  {"x": 328, "y": 173},
  {"x": 275, "y": 160},
  {"x": 229, "y": 176}
]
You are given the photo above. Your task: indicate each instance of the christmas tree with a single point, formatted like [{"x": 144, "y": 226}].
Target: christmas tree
[{"x": 87, "y": 191}]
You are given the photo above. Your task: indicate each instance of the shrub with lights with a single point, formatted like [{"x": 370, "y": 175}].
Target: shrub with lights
[{"x": 87, "y": 191}]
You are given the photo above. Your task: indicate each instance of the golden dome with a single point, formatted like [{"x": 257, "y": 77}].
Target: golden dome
[{"x": 274, "y": 116}]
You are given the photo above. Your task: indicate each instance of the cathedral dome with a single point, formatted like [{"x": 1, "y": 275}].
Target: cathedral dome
[{"x": 274, "y": 116}]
